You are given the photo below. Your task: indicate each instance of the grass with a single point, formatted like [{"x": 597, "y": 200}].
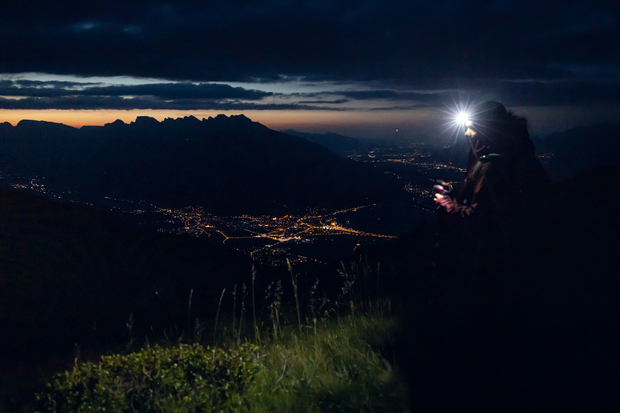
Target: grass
[
  {"x": 332, "y": 357},
  {"x": 336, "y": 365},
  {"x": 332, "y": 368}
]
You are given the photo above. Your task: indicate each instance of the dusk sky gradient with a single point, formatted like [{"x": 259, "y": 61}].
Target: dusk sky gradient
[{"x": 361, "y": 68}]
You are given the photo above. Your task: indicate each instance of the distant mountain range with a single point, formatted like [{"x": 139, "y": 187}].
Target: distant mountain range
[
  {"x": 340, "y": 144},
  {"x": 564, "y": 154},
  {"x": 581, "y": 149},
  {"x": 226, "y": 164}
]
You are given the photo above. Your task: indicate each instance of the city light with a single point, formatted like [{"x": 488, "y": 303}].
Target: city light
[{"x": 270, "y": 240}]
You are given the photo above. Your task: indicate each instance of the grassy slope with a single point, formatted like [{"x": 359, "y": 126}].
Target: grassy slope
[{"x": 332, "y": 365}]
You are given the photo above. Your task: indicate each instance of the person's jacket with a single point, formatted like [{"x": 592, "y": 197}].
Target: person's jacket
[{"x": 497, "y": 186}]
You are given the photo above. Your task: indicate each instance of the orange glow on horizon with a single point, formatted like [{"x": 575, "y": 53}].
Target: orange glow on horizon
[
  {"x": 356, "y": 123},
  {"x": 277, "y": 120}
]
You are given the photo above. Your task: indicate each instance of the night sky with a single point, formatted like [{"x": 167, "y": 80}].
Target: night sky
[{"x": 361, "y": 68}]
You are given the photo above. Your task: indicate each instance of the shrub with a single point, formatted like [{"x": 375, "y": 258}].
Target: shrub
[{"x": 189, "y": 378}]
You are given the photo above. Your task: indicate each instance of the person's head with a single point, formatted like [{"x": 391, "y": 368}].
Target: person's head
[{"x": 491, "y": 124}]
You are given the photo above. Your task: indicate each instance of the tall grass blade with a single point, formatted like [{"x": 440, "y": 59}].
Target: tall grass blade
[
  {"x": 217, "y": 314},
  {"x": 290, "y": 268},
  {"x": 189, "y": 314},
  {"x": 256, "y": 332}
]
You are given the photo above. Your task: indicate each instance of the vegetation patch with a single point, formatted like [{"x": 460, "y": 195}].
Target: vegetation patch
[
  {"x": 335, "y": 365},
  {"x": 189, "y": 378}
]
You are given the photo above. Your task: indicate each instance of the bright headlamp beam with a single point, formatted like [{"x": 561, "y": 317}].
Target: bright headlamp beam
[{"x": 462, "y": 118}]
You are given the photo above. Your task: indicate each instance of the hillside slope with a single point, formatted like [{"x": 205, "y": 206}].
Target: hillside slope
[{"x": 72, "y": 274}]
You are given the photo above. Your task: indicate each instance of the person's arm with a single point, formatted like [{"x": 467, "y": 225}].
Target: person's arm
[
  {"x": 483, "y": 197},
  {"x": 453, "y": 207}
]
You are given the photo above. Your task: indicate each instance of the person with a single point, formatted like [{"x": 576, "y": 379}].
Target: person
[
  {"x": 522, "y": 268},
  {"x": 503, "y": 175},
  {"x": 486, "y": 224}
]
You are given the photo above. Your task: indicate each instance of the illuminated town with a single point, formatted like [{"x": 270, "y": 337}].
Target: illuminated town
[
  {"x": 268, "y": 240},
  {"x": 312, "y": 236},
  {"x": 416, "y": 155},
  {"x": 272, "y": 240}
]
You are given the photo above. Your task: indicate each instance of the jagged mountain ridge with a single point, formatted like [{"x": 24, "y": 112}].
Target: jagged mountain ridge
[{"x": 226, "y": 164}]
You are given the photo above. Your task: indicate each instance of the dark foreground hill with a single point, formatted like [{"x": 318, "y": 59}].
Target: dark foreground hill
[
  {"x": 71, "y": 275},
  {"x": 226, "y": 164}
]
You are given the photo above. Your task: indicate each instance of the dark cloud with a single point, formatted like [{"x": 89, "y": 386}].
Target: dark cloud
[
  {"x": 427, "y": 41},
  {"x": 49, "y": 84},
  {"x": 425, "y": 98},
  {"x": 120, "y": 103},
  {"x": 524, "y": 53},
  {"x": 190, "y": 96},
  {"x": 562, "y": 94},
  {"x": 398, "y": 107},
  {"x": 334, "y": 102},
  {"x": 160, "y": 90},
  {"x": 548, "y": 93},
  {"x": 392, "y": 95},
  {"x": 180, "y": 91}
]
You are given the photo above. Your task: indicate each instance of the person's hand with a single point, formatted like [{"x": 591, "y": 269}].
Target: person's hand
[{"x": 444, "y": 201}]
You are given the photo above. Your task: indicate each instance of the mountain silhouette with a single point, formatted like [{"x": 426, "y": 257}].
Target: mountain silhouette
[
  {"x": 581, "y": 149},
  {"x": 340, "y": 144},
  {"x": 226, "y": 164}
]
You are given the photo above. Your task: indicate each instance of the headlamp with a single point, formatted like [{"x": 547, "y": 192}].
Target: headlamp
[
  {"x": 459, "y": 117},
  {"x": 462, "y": 119}
]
